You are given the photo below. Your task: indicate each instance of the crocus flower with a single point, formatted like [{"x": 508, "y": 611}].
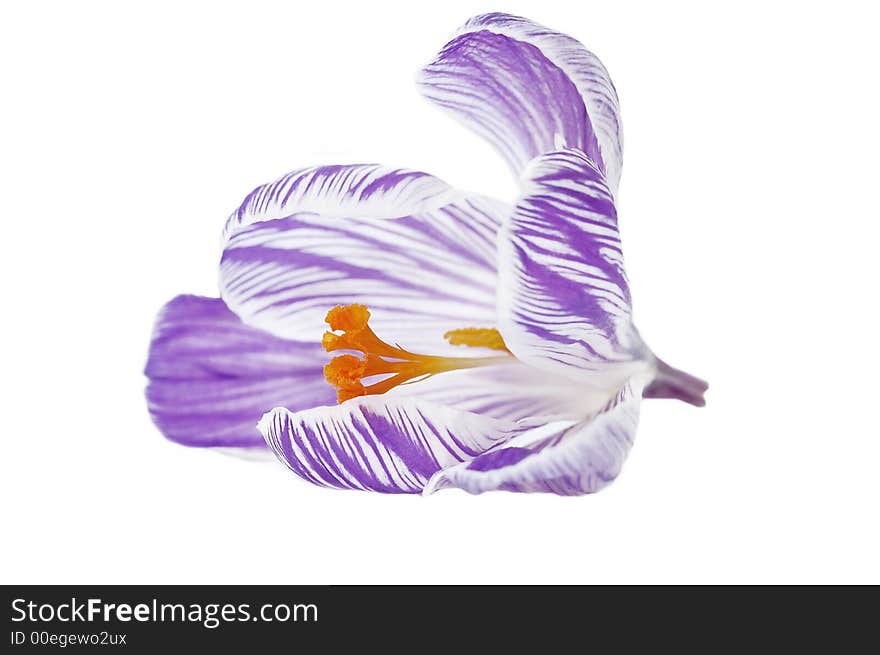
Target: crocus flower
[{"x": 473, "y": 344}]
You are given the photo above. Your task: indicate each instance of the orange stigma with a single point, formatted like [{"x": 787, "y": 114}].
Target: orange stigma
[{"x": 396, "y": 365}]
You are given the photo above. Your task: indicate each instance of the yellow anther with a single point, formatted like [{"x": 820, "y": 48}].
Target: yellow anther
[{"x": 477, "y": 337}]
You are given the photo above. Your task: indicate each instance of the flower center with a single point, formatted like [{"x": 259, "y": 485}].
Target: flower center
[{"x": 347, "y": 372}]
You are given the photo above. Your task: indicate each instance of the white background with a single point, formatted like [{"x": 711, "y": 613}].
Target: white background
[{"x": 749, "y": 214}]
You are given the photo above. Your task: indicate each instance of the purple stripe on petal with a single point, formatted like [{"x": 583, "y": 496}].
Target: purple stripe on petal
[
  {"x": 379, "y": 443},
  {"x": 564, "y": 300},
  {"x": 575, "y": 458},
  {"x": 499, "y": 459},
  {"x": 211, "y": 377},
  {"x": 528, "y": 90}
]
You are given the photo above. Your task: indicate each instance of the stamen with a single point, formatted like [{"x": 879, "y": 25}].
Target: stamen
[
  {"x": 347, "y": 372},
  {"x": 480, "y": 337}
]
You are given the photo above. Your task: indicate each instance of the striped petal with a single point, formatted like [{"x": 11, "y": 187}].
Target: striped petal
[
  {"x": 563, "y": 300},
  {"x": 343, "y": 191},
  {"x": 528, "y": 90},
  {"x": 386, "y": 444},
  {"x": 566, "y": 458},
  {"x": 211, "y": 377},
  {"x": 420, "y": 255}
]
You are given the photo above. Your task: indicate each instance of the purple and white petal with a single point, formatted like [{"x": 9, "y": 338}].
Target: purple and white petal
[
  {"x": 565, "y": 458},
  {"x": 511, "y": 392},
  {"x": 378, "y": 443},
  {"x": 528, "y": 90},
  {"x": 211, "y": 377},
  {"x": 563, "y": 297},
  {"x": 420, "y": 255},
  {"x": 343, "y": 191}
]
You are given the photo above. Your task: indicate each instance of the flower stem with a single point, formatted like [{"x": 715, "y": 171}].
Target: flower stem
[{"x": 673, "y": 383}]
